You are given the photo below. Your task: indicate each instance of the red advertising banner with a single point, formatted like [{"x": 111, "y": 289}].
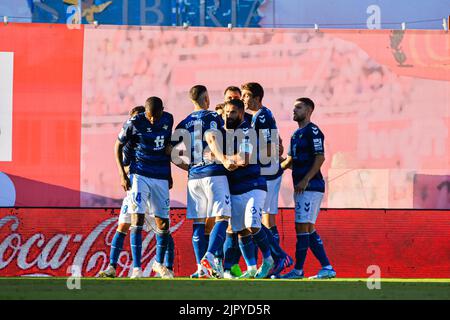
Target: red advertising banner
[
  {"x": 46, "y": 114},
  {"x": 48, "y": 241}
]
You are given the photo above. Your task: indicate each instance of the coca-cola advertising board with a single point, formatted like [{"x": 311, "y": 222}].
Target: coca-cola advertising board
[{"x": 51, "y": 241}]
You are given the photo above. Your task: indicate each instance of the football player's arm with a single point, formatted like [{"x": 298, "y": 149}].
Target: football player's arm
[
  {"x": 118, "y": 153},
  {"x": 213, "y": 144},
  {"x": 318, "y": 161},
  {"x": 286, "y": 163}
]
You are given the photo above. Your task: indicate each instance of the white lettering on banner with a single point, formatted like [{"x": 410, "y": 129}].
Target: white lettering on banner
[
  {"x": 15, "y": 247},
  {"x": 6, "y": 104},
  {"x": 374, "y": 20},
  {"x": 154, "y": 9}
]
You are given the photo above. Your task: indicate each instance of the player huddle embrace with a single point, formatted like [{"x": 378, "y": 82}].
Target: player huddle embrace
[{"x": 234, "y": 162}]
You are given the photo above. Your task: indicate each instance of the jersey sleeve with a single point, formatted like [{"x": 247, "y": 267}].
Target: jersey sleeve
[
  {"x": 265, "y": 122},
  {"x": 126, "y": 132},
  {"x": 317, "y": 141},
  {"x": 170, "y": 127},
  {"x": 290, "y": 153}
]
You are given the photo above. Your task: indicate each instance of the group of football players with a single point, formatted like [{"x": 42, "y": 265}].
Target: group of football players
[{"x": 234, "y": 160}]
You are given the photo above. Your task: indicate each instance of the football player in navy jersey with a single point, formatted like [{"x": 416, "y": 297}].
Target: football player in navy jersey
[
  {"x": 208, "y": 194},
  {"x": 148, "y": 183},
  {"x": 263, "y": 122},
  {"x": 248, "y": 190},
  {"x": 124, "y": 222},
  {"x": 305, "y": 157}
]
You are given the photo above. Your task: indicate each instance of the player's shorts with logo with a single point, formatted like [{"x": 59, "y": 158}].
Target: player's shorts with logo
[
  {"x": 246, "y": 210},
  {"x": 271, "y": 201},
  {"x": 307, "y": 206},
  {"x": 148, "y": 195},
  {"x": 125, "y": 217},
  {"x": 208, "y": 197}
]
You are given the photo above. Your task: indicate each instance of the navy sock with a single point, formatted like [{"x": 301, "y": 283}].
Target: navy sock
[
  {"x": 275, "y": 234},
  {"x": 116, "y": 248},
  {"x": 199, "y": 241},
  {"x": 217, "y": 238},
  {"x": 162, "y": 240},
  {"x": 136, "y": 245},
  {"x": 316, "y": 245},
  {"x": 237, "y": 250},
  {"x": 247, "y": 247},
  {"x": 229, "y": 250},
  {"x": 261, "y": 241},
  {"x": 275, "y": 248},
  {"x": 301, "y": 249},
  {"x": 170, "y": 253}
]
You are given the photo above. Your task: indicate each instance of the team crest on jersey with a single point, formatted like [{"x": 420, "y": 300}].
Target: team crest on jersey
[{"x": 213, "y": 125}]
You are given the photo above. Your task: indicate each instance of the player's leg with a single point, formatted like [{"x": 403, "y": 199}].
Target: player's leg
[
  {"x": 253, "y": 215},
  {"x": 124, "y": 224},
  {"x": 196, "y": 211},
  {"x": 170, "y": 255},
  {"x": 316, "y": 244},
  {"x": 219, "y": 206},
  {"x": 138, "y": 199},
  {"x": 270, "y": 211},
  {"x": 209, "y": 225},
  {"x": 159, "y": 207},
  {"x": 245, "y": 241},
  {"x": 303, "y": 220},
  {"x": 232, "y": 254}
]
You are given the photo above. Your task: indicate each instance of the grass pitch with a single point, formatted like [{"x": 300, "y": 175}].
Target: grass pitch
[{"x": 201, "y": 289}]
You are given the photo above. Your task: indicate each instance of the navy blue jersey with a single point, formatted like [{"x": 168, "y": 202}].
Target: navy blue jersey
[
  {"x": 150, "y": 141},
  {"x": 264, "y": 121},
  {"x": 197, "y": 123},
  {"x": 248, "y": 178},
  {"x": 306, "y": 143}
]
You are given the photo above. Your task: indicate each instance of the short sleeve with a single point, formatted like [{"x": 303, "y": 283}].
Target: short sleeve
[
  {"x": 317, "y": 142},
  {"x": 126, "y": 132}
]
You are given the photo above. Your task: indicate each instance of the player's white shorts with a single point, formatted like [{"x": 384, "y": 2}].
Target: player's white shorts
[
  {"x": 125, "y": 217},
  {"x": 208, "y": 197},
  {"x": 271, "y": 201},
  {"x": 307, "y": 206},
  {"x": 246, "y": 210},
  {"x": 149, "y": 195}
]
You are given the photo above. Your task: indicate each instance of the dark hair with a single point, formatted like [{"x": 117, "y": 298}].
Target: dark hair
[
  {"x": 255, "y": 88},
  {"x": 137, "y": 109},
  {"x": 232, "y": 88},
  {"x": 196, "y": 93},
  {"x": 220, "y": 106},
  {"x": 307, "y": 101},
  {"x": 154, "y": 105},
  {"x": 237, "y": 103}
]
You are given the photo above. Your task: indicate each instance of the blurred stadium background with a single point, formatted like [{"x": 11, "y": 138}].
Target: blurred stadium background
[{"x": 382, "y": 91}]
